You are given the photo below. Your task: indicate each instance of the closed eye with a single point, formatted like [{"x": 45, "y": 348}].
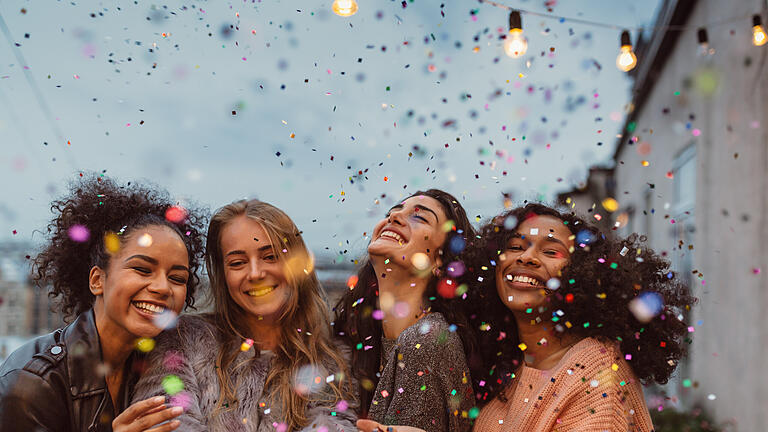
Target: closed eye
[
  {"x": 420, "y": 217},
  {"x": 236, "y": 263},
  {"x": 180, "y": 280},
  {"x": 142, "y": 270}
]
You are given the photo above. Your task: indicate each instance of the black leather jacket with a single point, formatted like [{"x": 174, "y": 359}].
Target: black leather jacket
[{"x": 52, "y": 383}]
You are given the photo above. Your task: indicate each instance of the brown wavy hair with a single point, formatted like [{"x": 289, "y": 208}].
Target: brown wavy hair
[
  {"x": 306, "y": 308},
  {"x": 102, "y": 206},
  {"x": 604, "y": 274}
]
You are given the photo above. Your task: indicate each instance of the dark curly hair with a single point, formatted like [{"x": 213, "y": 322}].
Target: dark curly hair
[
  {"x": 355, "y": 325},
  {"x": 103, "y": 206},
  {"x": 603, "y": 276}
]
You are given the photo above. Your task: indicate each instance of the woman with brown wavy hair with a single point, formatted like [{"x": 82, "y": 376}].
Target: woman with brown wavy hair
[
  {"x": 404, "y": 317},
  {"x": 264, "y": 359}
]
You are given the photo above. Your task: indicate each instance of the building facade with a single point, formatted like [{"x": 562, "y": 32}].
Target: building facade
[
  {"x": 25, "y": 310},
  {"x": 691, "y": 174}
]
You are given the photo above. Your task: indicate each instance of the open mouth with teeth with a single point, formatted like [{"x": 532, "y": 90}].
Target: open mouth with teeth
[
  {"x": 261, "y": 291},
  {"x": 527, "y": 280},
  {"x": 392, "y": 235},
  {"x": 148, "y": 308}
]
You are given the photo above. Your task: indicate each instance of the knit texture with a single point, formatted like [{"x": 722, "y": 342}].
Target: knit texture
[
  {"x": 592, "y": 388},
  {"x": 189, "y": 352},
  {"x": 424, "y": 380}
]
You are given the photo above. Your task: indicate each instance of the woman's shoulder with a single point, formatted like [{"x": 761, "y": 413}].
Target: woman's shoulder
[
  {"x": 195, "y": 332},
  {"x": 29, "y": 351},
  {"x": 596, "y": 352},
  {"x": 595, "y": 359},
  {"x": 34, "y": 374}
]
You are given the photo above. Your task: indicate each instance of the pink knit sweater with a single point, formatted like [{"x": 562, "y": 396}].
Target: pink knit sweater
[{"x": 592, "y": 388}]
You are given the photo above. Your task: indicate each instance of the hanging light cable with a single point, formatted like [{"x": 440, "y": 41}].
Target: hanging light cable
[
  {"x": 626, "y": 61},
  {"x": 515, "y": 44},
  {"x": 758, "y": 32},
  {"x": 344, "y": 8}
]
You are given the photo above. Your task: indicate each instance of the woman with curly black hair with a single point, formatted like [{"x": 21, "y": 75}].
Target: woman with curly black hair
[
  {"x": 123, "y": 261},
  {"x": 571, "y": 322},
  {"x": 403, "y": 320}
]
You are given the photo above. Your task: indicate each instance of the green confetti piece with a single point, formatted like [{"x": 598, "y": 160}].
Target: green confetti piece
[{"x": 172, "y": 384}]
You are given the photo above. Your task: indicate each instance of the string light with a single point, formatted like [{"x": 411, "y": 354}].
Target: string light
[
  {"x": 344, "y": 8},
  {"x": 704, "y": 49},
  {"x": 627, "y": 60},
  {"x": 758, "y": 32},
  {"x": 515, "y": 44}
]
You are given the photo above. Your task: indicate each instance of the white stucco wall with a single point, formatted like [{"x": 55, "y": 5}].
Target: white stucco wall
[{"x": 729, "y": 357}]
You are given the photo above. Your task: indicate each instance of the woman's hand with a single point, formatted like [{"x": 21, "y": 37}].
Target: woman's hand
[
  {"x": 372, "y": 426},
  {"x": 145, "y": 414}
]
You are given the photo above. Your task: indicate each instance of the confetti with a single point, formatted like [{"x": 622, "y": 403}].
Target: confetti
[
  {"x": 646, "y": 306},
  {"x": 145, "y": 345},
  {"x": 175, "y": 214},
  {"x": 78, "y": 233},
  {"x": 145, "y": 240}
]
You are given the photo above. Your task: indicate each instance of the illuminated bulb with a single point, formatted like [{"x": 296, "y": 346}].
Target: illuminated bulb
[
  {"x": 344, "y": 8},
  {"x": 759, "y": 37},
  {"x": 515, "y": 44},
  {"x": 626, "y": 61}
]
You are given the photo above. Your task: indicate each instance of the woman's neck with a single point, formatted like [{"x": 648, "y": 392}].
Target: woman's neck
[
  {"x": 265, "y": 332},
  {"x": 402, "y": 293},
  {"x": 543, "y": 348},
  {"x": 116, "y": 342}
]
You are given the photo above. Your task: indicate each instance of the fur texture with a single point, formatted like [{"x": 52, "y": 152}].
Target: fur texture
[{"x": 189, "y": 353}]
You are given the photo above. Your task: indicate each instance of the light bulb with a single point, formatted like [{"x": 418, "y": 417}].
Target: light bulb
[
  {"x": 515, "y": 44},
  {"x": 758, "y": 32},
  {"x": 344, "y": 8},
  {"x": 758, "y": 35},
  {"x": 626, "y": 61}
]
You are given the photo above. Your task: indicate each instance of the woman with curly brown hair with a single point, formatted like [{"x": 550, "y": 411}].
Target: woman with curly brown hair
[
  {"x": 264, "y": 360},
  {"x": 123, "y": 260},
  {"x": 404, "y": 321},
  {"x": 571, "y": 323}
]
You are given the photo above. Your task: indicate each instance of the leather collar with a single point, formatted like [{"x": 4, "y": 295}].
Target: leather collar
[{"x": 84, "y": 356}]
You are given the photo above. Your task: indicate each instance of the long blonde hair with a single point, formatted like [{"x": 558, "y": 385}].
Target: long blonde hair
[{"x": 305, "y": 309}]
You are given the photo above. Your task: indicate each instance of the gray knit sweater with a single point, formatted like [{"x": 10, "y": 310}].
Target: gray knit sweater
[
  {"x": 189, "y": 352},
  {"x": 424, "y": 380}
]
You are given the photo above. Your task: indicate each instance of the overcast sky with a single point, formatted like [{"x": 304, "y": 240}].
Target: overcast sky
[{"x": 287, "y": 102}]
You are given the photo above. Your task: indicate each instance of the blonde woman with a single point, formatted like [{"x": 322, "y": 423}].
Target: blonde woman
[{"x": 264, "y": 360}]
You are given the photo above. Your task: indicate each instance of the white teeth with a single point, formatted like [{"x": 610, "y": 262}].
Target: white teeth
[
  {"x": 149, "y": 307},
  {"x": 258, "y": 292},
  {"x": 523, "y": 279},
  {"x": 392, "y": 235}
]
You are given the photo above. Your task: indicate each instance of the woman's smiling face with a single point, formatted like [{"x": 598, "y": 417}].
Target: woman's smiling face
[
  {"x": 255, "y": 277},
  {"x": 412, "y": 227},
  {"x": 145, "y": 280},
  {"x": 537, "y": 253}
]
